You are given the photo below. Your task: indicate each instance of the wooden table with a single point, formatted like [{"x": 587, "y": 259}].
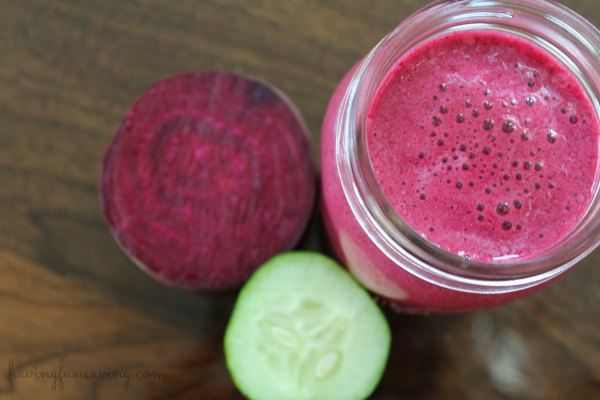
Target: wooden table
[{"x": 70, "y": 299}]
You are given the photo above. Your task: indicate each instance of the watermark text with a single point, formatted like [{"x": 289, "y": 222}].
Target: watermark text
[{"x": 59, "y": 375}]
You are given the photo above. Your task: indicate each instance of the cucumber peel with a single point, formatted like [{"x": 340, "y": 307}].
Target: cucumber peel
[{"x": 303, "y": 328}]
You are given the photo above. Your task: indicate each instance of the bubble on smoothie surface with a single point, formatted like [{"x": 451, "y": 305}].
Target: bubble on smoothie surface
[
  {"x": 201, "y": 167},
  {"x": 503, "y": 208},
  {"x": 508, "y": 127},
  {"x": 511, "y": 128}
]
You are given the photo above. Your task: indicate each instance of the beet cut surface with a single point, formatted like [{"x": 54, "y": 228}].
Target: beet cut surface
[{"x": 208, "y": 176}]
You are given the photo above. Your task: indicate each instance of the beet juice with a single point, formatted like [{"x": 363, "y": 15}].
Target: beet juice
[{"x": 460, "y": 157}]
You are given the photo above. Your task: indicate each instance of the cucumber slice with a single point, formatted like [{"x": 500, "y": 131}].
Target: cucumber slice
[{"x": 303, "y": 328}]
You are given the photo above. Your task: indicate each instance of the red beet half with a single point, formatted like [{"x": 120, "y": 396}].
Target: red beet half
[{"x": 209, "y": 175}]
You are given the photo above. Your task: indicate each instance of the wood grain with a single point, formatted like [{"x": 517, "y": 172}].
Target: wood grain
[{"x": 69, "y": 70}]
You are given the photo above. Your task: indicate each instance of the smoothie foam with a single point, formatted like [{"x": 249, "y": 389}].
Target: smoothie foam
[{"x": 485, "y": 144}]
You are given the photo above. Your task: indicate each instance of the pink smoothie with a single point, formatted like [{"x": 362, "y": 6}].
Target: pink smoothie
[{"x": 484, "y": 144}]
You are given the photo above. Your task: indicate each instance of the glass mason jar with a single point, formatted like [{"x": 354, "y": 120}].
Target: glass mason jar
[{"x": 377, "y": 246}]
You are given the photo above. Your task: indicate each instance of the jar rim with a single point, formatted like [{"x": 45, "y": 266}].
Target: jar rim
[{"x": 573, "y": 40}]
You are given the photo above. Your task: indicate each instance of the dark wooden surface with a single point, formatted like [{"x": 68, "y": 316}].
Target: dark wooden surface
[{"x": 68, "y": 71}]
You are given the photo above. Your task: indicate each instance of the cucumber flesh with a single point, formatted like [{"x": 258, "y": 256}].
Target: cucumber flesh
[{"x": 303, "y": 328}]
